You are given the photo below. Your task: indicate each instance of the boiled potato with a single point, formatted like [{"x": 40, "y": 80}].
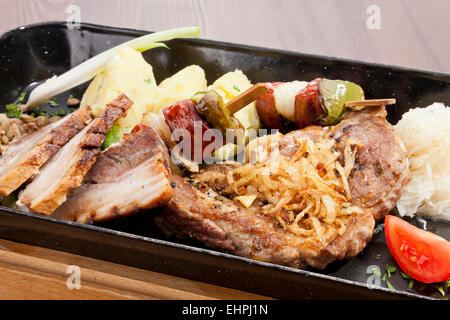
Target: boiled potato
[
  {"x": 127, "y": 73},
  {"x": 231, "y": 85},
  {"x": 182, "y": 85}
]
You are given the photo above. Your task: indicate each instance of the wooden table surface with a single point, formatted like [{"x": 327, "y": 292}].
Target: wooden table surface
[{"x": 412, "y": 33}]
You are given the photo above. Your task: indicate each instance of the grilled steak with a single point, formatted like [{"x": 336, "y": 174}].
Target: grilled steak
[
  {"x": 68, "y": 166},
  {"x": 219, "y": 222},
  {"x": 200, "y": 207},
  {"x": 130, "y": 176},
  {"x": 24, "y": 157}
]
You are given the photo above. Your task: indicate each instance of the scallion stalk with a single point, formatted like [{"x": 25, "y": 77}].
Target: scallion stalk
[{"x": 90, "y": 68}]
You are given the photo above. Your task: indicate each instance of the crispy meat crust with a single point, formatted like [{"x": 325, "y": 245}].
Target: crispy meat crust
[
  {"x": 140, "y": 163},
  {"x": 49, "y": 140},
  {"x": 219, "y": 222},
  {"x": 42, "y": 200}
]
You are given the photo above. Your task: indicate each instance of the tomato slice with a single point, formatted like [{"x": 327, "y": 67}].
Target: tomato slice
[{"x": 422, "y": 254}]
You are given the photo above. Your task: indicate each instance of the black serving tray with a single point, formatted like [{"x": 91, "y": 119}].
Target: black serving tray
[{"x": 34, "y": 53}]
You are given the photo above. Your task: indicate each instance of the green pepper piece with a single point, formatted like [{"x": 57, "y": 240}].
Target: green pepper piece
[
  {"x": 212, "y": 109},
  {"x": 113, "y": 136},
  {"x": 333, "y": 94}
]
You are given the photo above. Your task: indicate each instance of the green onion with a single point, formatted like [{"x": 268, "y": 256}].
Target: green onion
[
  {"x": 440, "y": 289},
  {"x": 390, "y": 269},
  {"x": 13, "y": 111},
  {"x": 376, "y": 272},
  {"x": 378, "y": 256},
  {"x": 384, "y": 278},
  {"x": 148, "y": 80},
  {"x": 22, "y": 96},
  {"x": 405, "y": 276},
  {"x": 53, "y": 103},
  {"x": 411, "y": 283},
  {"x": 236, "y": 88},
  {"x": 390, "y": 286},
  {"x": 90, "y": 68}
]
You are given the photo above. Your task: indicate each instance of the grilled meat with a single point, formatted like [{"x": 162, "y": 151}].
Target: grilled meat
[
  {"x": 130, "y": 176},
  {"x": 24, "y": 157},
  {"x": 201, "y": 206},
  {"x": 69, "y": 165},
  {"x": 219, "y": 222}
]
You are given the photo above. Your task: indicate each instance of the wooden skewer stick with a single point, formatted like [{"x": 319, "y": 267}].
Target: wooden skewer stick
[
  {"x": 369, "y": 103},
  {"x": 246, "y": 97}
]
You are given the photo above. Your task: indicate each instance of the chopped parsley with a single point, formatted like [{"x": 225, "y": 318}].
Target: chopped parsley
[
  {"x": 61, "y": 112},
  {"x": 70, "y": 96},
  {"x": 22, "y": 96},
  {"x": 53, "y": 103},
  {"x": 73, "y": 109},
  {"x": 236, "y": 88},
  {"x": 390, "y": 269},
  {"x": 376, "y": 272},
  {"x": 149, "y": 80},
  {"x": 13, "y": 111},
  {"x": 40, "y": 112}
]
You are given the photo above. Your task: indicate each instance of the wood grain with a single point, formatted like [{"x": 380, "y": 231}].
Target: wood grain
[
  {"x": 414, "y": 33},
  {"x": 30, "y": 272}
]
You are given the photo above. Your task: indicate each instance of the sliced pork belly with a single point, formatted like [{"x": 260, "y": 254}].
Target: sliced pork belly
[
  {"x": 128, "y": 177},
  {"x": 24, "y": 157},
  {"x": 69, "y": 165}
]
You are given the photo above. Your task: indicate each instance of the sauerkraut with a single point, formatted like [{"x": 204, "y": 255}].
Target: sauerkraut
[{"x": 426, "y": 135}]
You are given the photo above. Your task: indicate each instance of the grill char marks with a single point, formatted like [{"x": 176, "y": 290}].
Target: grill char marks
[
  {"x": 69, "y": 165},
  {"x": 23, "y": 158}
]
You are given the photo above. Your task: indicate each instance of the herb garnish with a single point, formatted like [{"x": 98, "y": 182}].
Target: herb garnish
[
  {"x": 390, "y": 269},
  {"x": 376, "y": 272},
  {"x": 13, "y": 111},
  {"x": 440, "y": 289},
  {"x": 53, "y": 103},
  {"x": 22, "y": 96},
  {"x": 390, "y": 286},
  {"x": 61, "y": 112},
  {"x": 149, "y": 80},
  {"x": 236, "y": 88}
]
